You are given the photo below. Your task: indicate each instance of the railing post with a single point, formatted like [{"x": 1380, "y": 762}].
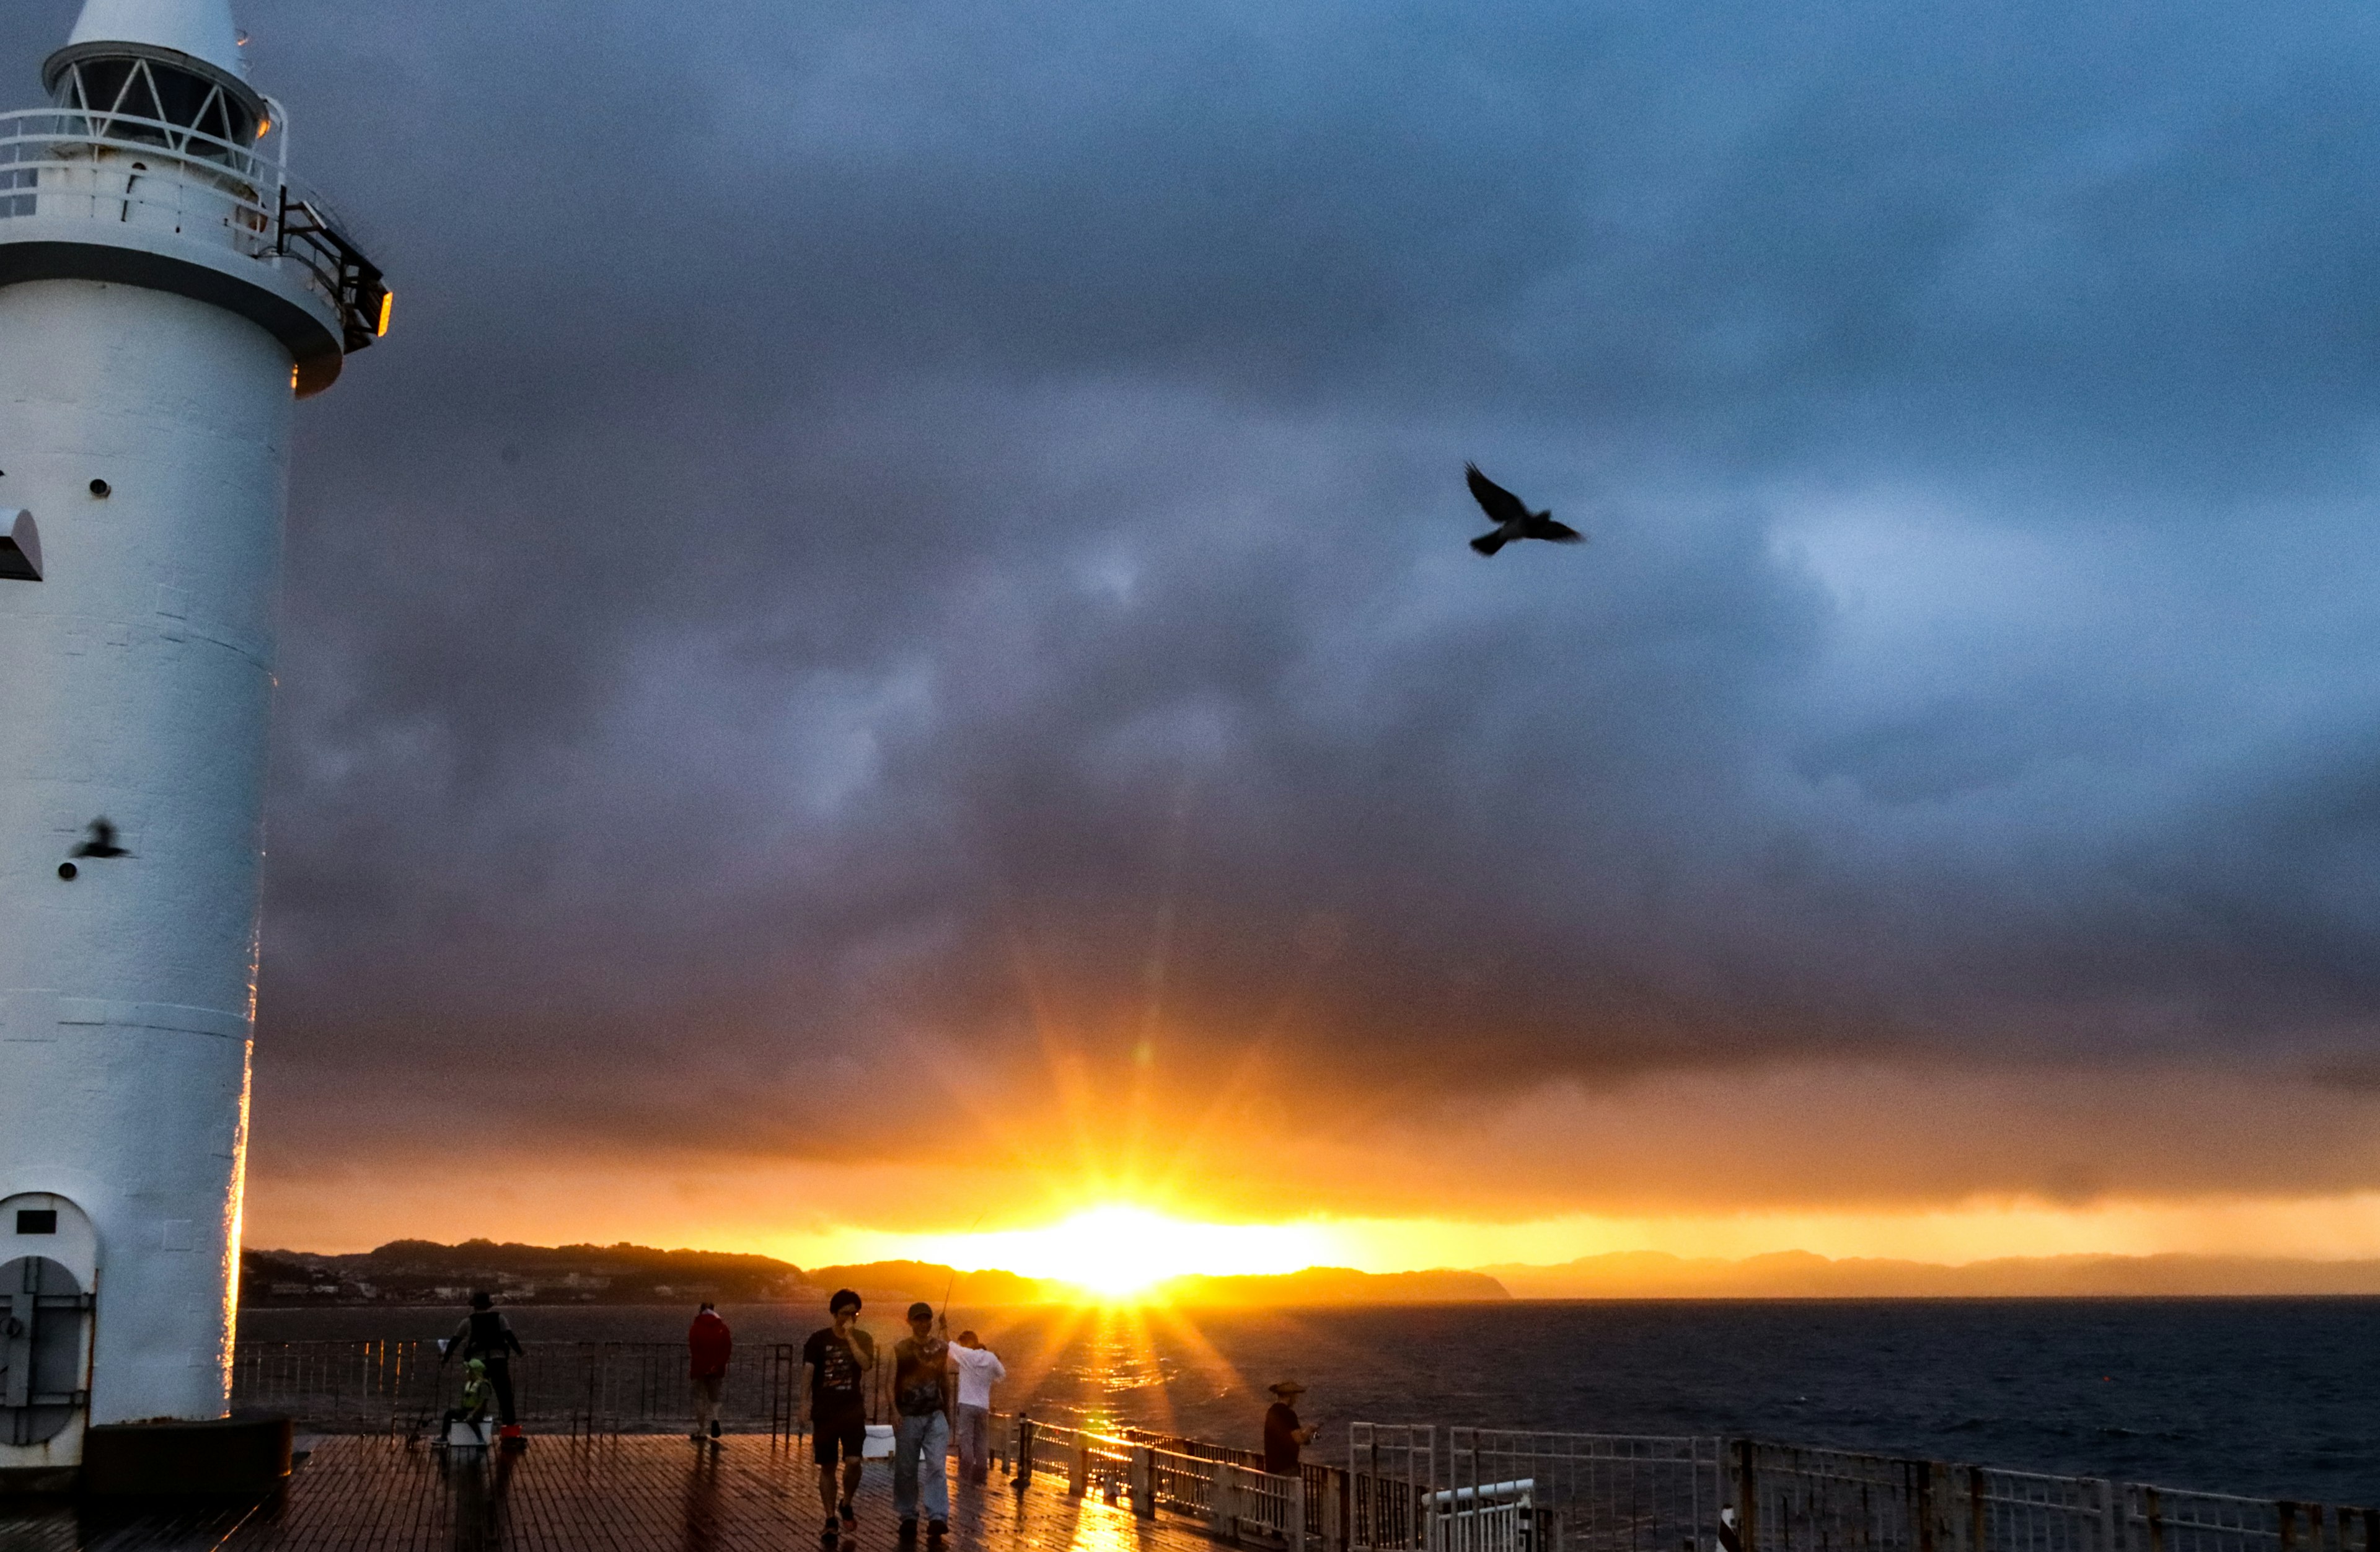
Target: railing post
[
  {"x": 1144, "y": 1481},
  {"x": 1223, "y": 1503},
  {"x": 1296, "y": 1513},
  {"x": 1024, "y": 1452},
  {"x": 2153, "y": 1511},
  {"x": 1747, "y": 1498},
  {"x": 1078, "y": 1468},
  {"x": 2111, "y": 1516}
]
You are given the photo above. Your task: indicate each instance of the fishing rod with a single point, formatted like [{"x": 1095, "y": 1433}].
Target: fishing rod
[{"x": 943, "y": 1319}]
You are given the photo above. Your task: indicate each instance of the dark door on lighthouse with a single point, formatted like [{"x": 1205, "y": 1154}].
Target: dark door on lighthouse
[{"x": 43, "y": 1311}]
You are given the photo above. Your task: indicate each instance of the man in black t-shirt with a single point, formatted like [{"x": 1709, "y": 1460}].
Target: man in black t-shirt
[
  {"x": 1284, "y": 1436},
  {"x": 838, "y": 1358}
]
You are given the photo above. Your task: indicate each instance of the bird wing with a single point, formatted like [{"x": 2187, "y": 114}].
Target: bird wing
[
  {"x": 1561, "y": 533},
  {"x": 1494, "y": 500}
]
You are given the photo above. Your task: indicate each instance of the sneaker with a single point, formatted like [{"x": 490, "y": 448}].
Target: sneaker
[
  {"x": 936, "y": 1530},
  {"x": 909, "y": 1531},
  {"x": 696, "y": 1436},
  {"x": 850, "y": 1515},
  {"x": 714, "y": 1427},
  {"x": 828, "y": 1537}
]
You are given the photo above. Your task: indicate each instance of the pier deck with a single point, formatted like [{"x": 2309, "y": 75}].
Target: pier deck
[{"x": 604, "y": 1493}]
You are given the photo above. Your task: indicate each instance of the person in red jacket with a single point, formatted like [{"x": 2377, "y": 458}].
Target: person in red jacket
[{"x": 708, "y": 1345}]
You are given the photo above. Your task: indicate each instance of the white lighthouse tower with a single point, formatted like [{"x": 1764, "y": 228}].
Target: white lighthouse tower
[{"x": 166, "y": 293}]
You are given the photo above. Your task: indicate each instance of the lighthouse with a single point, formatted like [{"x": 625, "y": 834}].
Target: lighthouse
[{"x": 167, "y": 292}]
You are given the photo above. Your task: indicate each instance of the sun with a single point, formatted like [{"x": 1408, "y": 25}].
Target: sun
[{"x": 1119, "y": 1251}]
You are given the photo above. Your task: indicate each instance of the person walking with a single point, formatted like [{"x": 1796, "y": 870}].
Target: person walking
[
  {"x": 923, "y": 1400},
  {"x": 486, "y": 1335},
  {"x": 1284, "y": 1436},
  {"x": 979, "y": 1369},
  {"x": 837, "y": 1359},
  {"x": 709, "y": 1344}
]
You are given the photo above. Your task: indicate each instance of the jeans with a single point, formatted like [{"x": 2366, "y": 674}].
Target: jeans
[
  {"x": 926, "y": 1439},
  {"x": 975, "y": 1443}
]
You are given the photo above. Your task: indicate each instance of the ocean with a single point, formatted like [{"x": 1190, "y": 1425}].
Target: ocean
[{"x": 2274, "y": 1398}]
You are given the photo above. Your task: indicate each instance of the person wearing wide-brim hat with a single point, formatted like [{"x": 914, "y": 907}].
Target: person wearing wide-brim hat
[{"x": 1285, "y": 1436}]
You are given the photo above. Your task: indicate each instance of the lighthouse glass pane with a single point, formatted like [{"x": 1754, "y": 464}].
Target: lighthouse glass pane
[{"x": 37, "y": 1220}]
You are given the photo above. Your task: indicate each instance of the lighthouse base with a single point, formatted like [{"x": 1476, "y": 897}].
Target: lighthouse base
[{"x": 224, "y": 1458}]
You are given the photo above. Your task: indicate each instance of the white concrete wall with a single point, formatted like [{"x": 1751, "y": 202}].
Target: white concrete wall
[{"x": 136, "y": 682}]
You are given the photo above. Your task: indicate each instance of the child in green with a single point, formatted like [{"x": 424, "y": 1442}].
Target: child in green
[{"x": 477, "y": 1394}]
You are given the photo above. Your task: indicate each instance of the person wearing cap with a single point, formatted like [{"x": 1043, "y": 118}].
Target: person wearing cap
[
  {"x": 1284, "y": 1434},
  {"x": 838, "y": 1358},
  {"x": 979, "y": 1369},
  {"x": 925, "y": 1395}
]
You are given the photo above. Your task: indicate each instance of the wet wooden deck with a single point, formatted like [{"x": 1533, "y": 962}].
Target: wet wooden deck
[{"x": 617, "y": 1494}]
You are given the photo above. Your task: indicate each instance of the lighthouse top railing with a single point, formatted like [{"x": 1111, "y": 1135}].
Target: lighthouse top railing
[{"x": 159, "y": 178}]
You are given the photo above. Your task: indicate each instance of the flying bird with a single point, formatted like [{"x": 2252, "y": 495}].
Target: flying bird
[
  {"x": 102, "y": 842},
  {"x": 1512, "y": 519}
]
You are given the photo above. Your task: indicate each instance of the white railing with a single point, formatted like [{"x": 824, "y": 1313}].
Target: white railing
[
  {"x": 1392, "y": 1484},
  {"x": 164, "y": 179},
  {"x": 1491, "y": 1517},
  {"x": 1825, "y": 1500},
  {"x": 1598, "y": 1492}
]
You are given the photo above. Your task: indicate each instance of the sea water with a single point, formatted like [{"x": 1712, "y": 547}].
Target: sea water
[{"x": 2275, "y": 1398}]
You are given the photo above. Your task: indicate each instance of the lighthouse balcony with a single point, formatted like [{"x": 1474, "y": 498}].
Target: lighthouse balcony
[{"x": 150, "y": 202}]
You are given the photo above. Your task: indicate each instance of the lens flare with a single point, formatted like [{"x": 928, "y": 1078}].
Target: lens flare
[{"x": 1118, "y": 1250}]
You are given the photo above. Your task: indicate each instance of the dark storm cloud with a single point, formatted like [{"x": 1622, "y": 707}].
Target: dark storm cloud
[{"x": 937, "y": 523}]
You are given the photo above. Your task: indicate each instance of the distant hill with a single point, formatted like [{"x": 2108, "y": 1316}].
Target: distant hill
[
  {"x": 1797, "y": 1274},
  {"x": 1338, "y": 1285},
  {"x": 882, "y": 1283},
  {"x": 422, "y": 1271}
]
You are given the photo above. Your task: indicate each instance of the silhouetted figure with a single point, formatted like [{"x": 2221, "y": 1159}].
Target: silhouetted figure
[
  {"x": 1512, "y": 516},
  {"x": 708, "y": 1345},
  {"x": 837, "y": 1359},
  {"x": 1285, "y": 1436},
  {"x": 102, "y": 842},
  {"x": 979, "y": 1369},
  {"x": 486, "y": 1335}
]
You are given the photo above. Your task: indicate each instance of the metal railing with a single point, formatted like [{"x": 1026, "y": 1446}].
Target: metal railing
[
  {"x": 1232, "y": 1499},
  {"x": 1489, "y": 1490},
  {"x": 1593, "y": 1492},
  {"x": 1821, "y": 1500},
  {"x": 169, "y": 180},
  {"x": 582, "y": 1387}
]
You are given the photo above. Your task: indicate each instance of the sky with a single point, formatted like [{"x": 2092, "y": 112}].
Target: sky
[{"x": 885, "y": 653}]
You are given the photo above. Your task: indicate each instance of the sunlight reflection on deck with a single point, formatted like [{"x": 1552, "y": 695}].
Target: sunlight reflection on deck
[{"x": 573, "y": 1495}]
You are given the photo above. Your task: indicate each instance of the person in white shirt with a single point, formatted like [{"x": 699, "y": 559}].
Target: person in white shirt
[{"x": 979, "y": 1369}]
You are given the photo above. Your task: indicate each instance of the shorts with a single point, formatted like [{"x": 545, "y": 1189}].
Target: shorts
[{"x": 838, "y": 1433}]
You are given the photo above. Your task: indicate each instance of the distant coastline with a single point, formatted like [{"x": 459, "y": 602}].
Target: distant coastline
[
  {"x": 425, "y": 1272},
  {"x": 1796, "y": 1274}
]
